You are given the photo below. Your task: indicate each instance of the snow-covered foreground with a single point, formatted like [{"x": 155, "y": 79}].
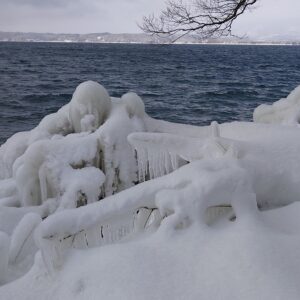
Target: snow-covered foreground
[
  {"x": 217, "y": 217},
  {"x": 250, "y": 259}
]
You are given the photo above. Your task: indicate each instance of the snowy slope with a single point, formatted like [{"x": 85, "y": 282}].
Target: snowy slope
[{"x": 242, "y": 260}]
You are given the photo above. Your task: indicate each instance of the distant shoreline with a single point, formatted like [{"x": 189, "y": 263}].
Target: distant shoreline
[
  {"x": 158, "y": 44},
  {"x": 138, "y": 38}
]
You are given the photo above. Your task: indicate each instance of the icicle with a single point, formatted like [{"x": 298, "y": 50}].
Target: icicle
[
  {"x": 21, "y": 234},
  {"x": 154, "y": 219},
  {"x": 141, "y": 217},
  {"x": 166, "y": 162},
  {"x": 52, "y": 250},
  {"x": 80, "y": 241},
  {"x": 4, "y": 250},
  {"x": 43, "y": 182},
  {"x": 92, "y": 237},
  {"x": 161, "y": 163},
  {"x": 150, "y": 163},
  {"x": 48, "y": 254},
  {"x": 153, "y": 159},
  {"x": 174, "y": 161},
  {"x": 141, "y": 162},
  {"x": 215, "y": 129},
  {"x": 154, "y": 162}
]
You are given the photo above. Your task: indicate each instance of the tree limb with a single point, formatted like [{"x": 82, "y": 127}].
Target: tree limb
[{"x": 206, "y": 18}]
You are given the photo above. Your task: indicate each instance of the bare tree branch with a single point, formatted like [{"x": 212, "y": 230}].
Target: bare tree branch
[{"x": 206, "y": 18}]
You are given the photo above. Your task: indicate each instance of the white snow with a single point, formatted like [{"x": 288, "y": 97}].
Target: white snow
[
  {"x": 185, "y": 212},
  {"x": 84, "y": 183},
  {"x": 134, "y": 105},
  {"x": 285, "y": 111},
  {"x": 90, "y": 98},
  {"x": 240, "y": 260}
]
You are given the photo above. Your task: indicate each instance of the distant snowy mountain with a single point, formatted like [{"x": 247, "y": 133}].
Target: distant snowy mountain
[{"x": 140, "y": 38}]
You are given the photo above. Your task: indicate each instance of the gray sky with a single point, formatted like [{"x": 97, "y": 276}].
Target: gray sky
[{"x": 271, "y": 17}]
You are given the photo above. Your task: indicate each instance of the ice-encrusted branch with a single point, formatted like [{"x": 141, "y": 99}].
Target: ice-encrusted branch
[{"x": 161, "y": 153}]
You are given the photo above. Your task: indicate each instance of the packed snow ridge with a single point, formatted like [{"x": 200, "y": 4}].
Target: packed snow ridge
[{"x": 103, "y": 176}]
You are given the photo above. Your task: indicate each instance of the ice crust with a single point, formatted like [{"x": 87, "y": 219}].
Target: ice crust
[{"x": 100, "y": 171}]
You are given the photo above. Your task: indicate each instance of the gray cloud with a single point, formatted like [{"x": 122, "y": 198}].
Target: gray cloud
[
  {"x": 82, "y": 16},
  {"x": 37, "y": 3}
]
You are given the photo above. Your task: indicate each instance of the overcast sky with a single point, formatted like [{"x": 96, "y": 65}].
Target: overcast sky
[{"x": 271, "y": 17}]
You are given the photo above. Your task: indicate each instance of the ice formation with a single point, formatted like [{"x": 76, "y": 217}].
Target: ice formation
[
  {"x": 89, "y": 107},
  {"x": 134, "y": 105},
  {"x": 21, "y": 235},
  {"x": 4, "y": 253},
  {"x": 84, "y": 137},
  {"x": 100, "y": 171},
  {"x": 73, "y": 157},
  {"x": 285, "y": 111}
]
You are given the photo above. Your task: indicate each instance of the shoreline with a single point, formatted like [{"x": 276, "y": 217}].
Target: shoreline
[{"x": 160, "y": 44}]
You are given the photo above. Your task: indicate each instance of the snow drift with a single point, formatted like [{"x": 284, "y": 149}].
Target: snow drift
[{"x": 100, "y": 171}]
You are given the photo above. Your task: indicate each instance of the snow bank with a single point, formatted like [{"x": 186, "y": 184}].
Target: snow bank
[
  {"x": 165, "y": 189},
  {"x": 245, "y": 259},
  {"x": 285, "y": 111},
  {"x": 218, "y": 166}
]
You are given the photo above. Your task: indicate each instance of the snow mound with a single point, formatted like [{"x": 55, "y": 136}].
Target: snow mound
[
  {"x": 89, "y": 107},
  {"x": 134, "y": 105},
  {"x": 245, "y": 259}
]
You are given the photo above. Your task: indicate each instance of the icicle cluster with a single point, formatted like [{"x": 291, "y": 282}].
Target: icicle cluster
[
  {"x": 160, "y": 153},
  {"x": 153, "y": 163}
]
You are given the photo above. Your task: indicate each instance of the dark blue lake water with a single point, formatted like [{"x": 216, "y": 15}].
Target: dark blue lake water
[{"x": 183, "y": 83}]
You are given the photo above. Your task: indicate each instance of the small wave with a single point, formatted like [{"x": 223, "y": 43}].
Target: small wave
[{"x": 189, "y": 84}]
